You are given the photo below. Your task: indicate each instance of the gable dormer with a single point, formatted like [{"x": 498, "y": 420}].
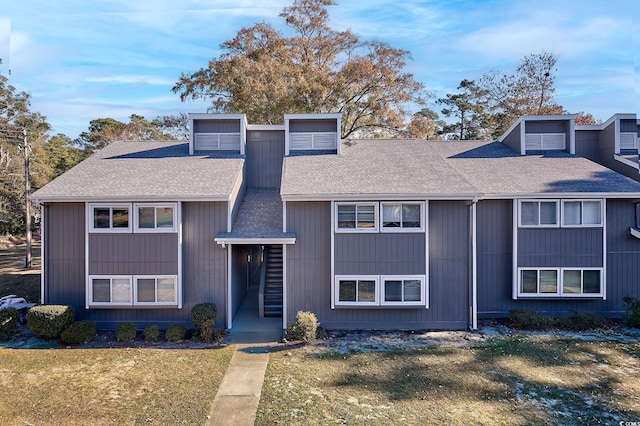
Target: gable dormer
[
  {"x": 312, "y": 133},
  {"x": 217, "y": 132}
]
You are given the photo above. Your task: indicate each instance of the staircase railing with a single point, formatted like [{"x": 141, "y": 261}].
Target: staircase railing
[{"x": 263, "y": 274}]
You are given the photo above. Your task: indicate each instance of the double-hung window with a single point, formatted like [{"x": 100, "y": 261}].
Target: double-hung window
[
  {"x": 109, "y": 218},
  {"x": 539, "y": 213},
  {"x": 127, "y": 290},
  {"x": 357, "y": 217},
  {"x": 581, "y": 213},
  {"x": 380, "y": 290},
  {"x": 560, "y": 282},
  {"x": 155, "y": 217},
  {"x": 402, "y": 217}
]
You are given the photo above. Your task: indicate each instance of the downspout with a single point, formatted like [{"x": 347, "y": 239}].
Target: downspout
[{"x": 473, "y": 266}]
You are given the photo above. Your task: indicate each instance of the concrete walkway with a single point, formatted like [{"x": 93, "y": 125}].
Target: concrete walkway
[{"x": 238, "y": 396}]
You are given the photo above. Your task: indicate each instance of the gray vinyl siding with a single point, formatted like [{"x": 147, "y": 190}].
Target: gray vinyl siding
[
  {"x": 239, "y": 275},
  {"x": 312, "y": 125},
  {"x": 216, "y": 126},
  {"x": 494, "y": 219},
  {"x": 64, "y": 249},
  {"x": 628, "y": 126},
  {"x": 560, "y": 247},
  {"x": 606, "y": 146},
  {"x": 265, "y": 151},
  {"x": 380, "y": 254},
  {"x": 547, "y": 127},
  {"x": 512, "y": 140},
  {"x": 309, "y": 269},
  {"x": 587, "y": 144},
  {"x": 133, "y": 254}
]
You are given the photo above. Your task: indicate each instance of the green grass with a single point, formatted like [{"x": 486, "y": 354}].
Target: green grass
[
  {"x": 524, "y": 380},
  {"x": 109, "y": 386}
]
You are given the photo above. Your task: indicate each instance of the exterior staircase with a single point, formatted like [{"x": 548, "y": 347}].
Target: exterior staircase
[{"x": 270, "y": 296}]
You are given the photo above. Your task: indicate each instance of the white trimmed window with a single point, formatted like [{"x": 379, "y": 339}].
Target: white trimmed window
[
  {"x": 538, "y": 213},
  {"x": 155, "y": 217},
  {"x": 403, "y": 290},
  {"x": 402, "y": 217},
  {"x": 356, "y": 217},
  {"x": 584, "y": 213},
  {"x": 109, "y": 218},
  {"x": 380, "y": 290},
  {"x": 127, "y": 290},
  {"x": 560, "y": 282}
]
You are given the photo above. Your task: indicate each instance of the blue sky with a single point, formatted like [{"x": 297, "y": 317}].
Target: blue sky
[{"x": 82, "y": 60}]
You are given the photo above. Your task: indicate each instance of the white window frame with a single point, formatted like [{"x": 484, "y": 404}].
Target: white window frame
[
  {"x": 401, "y": 228},
  {"x": 539, "y": 200},
  {"x": 581, "y": 224},
  {"x": 560, "y": 284},
  {"x": 155, "y": 229},
  {"x": 110, "y": 206},
  {"x": 356, "y": 278},
  {"x": 423, "y": 289},
  {"x": 376, "y": 217},
  {"x": 132, "y": 279},
  {"x": 156, "y": 278},
  {"x": 90, "y": 301}
]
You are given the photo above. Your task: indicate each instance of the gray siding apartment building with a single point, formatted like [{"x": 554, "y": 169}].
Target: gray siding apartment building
[{"x": 367, "y": 234}]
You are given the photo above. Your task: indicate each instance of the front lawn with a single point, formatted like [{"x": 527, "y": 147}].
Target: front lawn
[
  {"x": 507, "y": 381},
  {"x": 109, "y": 386}
]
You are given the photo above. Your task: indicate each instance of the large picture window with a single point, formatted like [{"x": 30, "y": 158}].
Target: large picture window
[
  {"x": 109, "y": 218},
  {"x": 402, "y": 217},
  {"x": 127, "y": 290},
  {"x": 560, "y": 282},
  {"x": 380, "y": 290},
  {"x": 547, "y": 213}
]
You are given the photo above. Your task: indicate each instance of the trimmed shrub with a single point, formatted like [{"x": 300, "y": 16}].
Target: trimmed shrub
[
  {"x": 48, "y": 321},
  {"x": 8, "y": 320},
  {"x": 175, "y": 333},
  {"x": 126, "y": 332},
  {"x": 633, "y": 311},
  {"x": 526, "y": 319},
  {"x": 305, "y": 327},
  {"x": 79, "y": 333},
  {"x": 206, "y": 332},
  {"x": 151, "y": 333},
  {"x": 581, "y": 321},
  {"x": 201, "y": 313}
]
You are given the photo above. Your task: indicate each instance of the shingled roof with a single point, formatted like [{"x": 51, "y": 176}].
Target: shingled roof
[
  {"x": 392, "y": 168},
  {"x": 147, "y": 171}
]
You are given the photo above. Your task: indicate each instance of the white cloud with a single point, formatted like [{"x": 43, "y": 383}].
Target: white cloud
[{"x": 131, "y": 79}]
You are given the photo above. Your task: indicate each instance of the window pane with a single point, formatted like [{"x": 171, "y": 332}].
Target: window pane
[
  {"x": 166, "y": 290},
  {"x": 572, "y": 213},
  {"x": 101, "y": 218},
  {"x": 548, "y": 214},
  {"x": 121, "y": 218},
  {"x": 393, "y": 291},
  {"x": 591, "y": 281},
  {"x": 165, "y": 217},
  {"x": 591, "y": 213},
  {"x": 121, "y": 291},
  {"x": 529, "y": 213},
  {"x": 146, "y": 290},
  {"x": 146, "y": 217},
  {"x": 548, "y": 281},
  {"x": 412, "y": 290},
  {"x": 366, "y": 291},
  {"x": 529, "y": 281},
  {"x": 347, "y": 216},
  {"x": 347, "y": 291},
  {"x": 101, "y": 290},
  {"x": 411, "y": 215},
  {"x": 391, "y": 216},
  {"x": 571, "y": 281},
  {"x": 366, "y": 216}
]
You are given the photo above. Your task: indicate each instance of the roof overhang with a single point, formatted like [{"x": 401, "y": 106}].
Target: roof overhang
[
  {"x": 119, "y": 198},
  {"x": 223, "y": 241},
  {"x": 459, "y": 197}
]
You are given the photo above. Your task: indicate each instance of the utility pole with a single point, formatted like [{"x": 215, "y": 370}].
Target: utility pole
[{"x": 27, "y": 192}]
